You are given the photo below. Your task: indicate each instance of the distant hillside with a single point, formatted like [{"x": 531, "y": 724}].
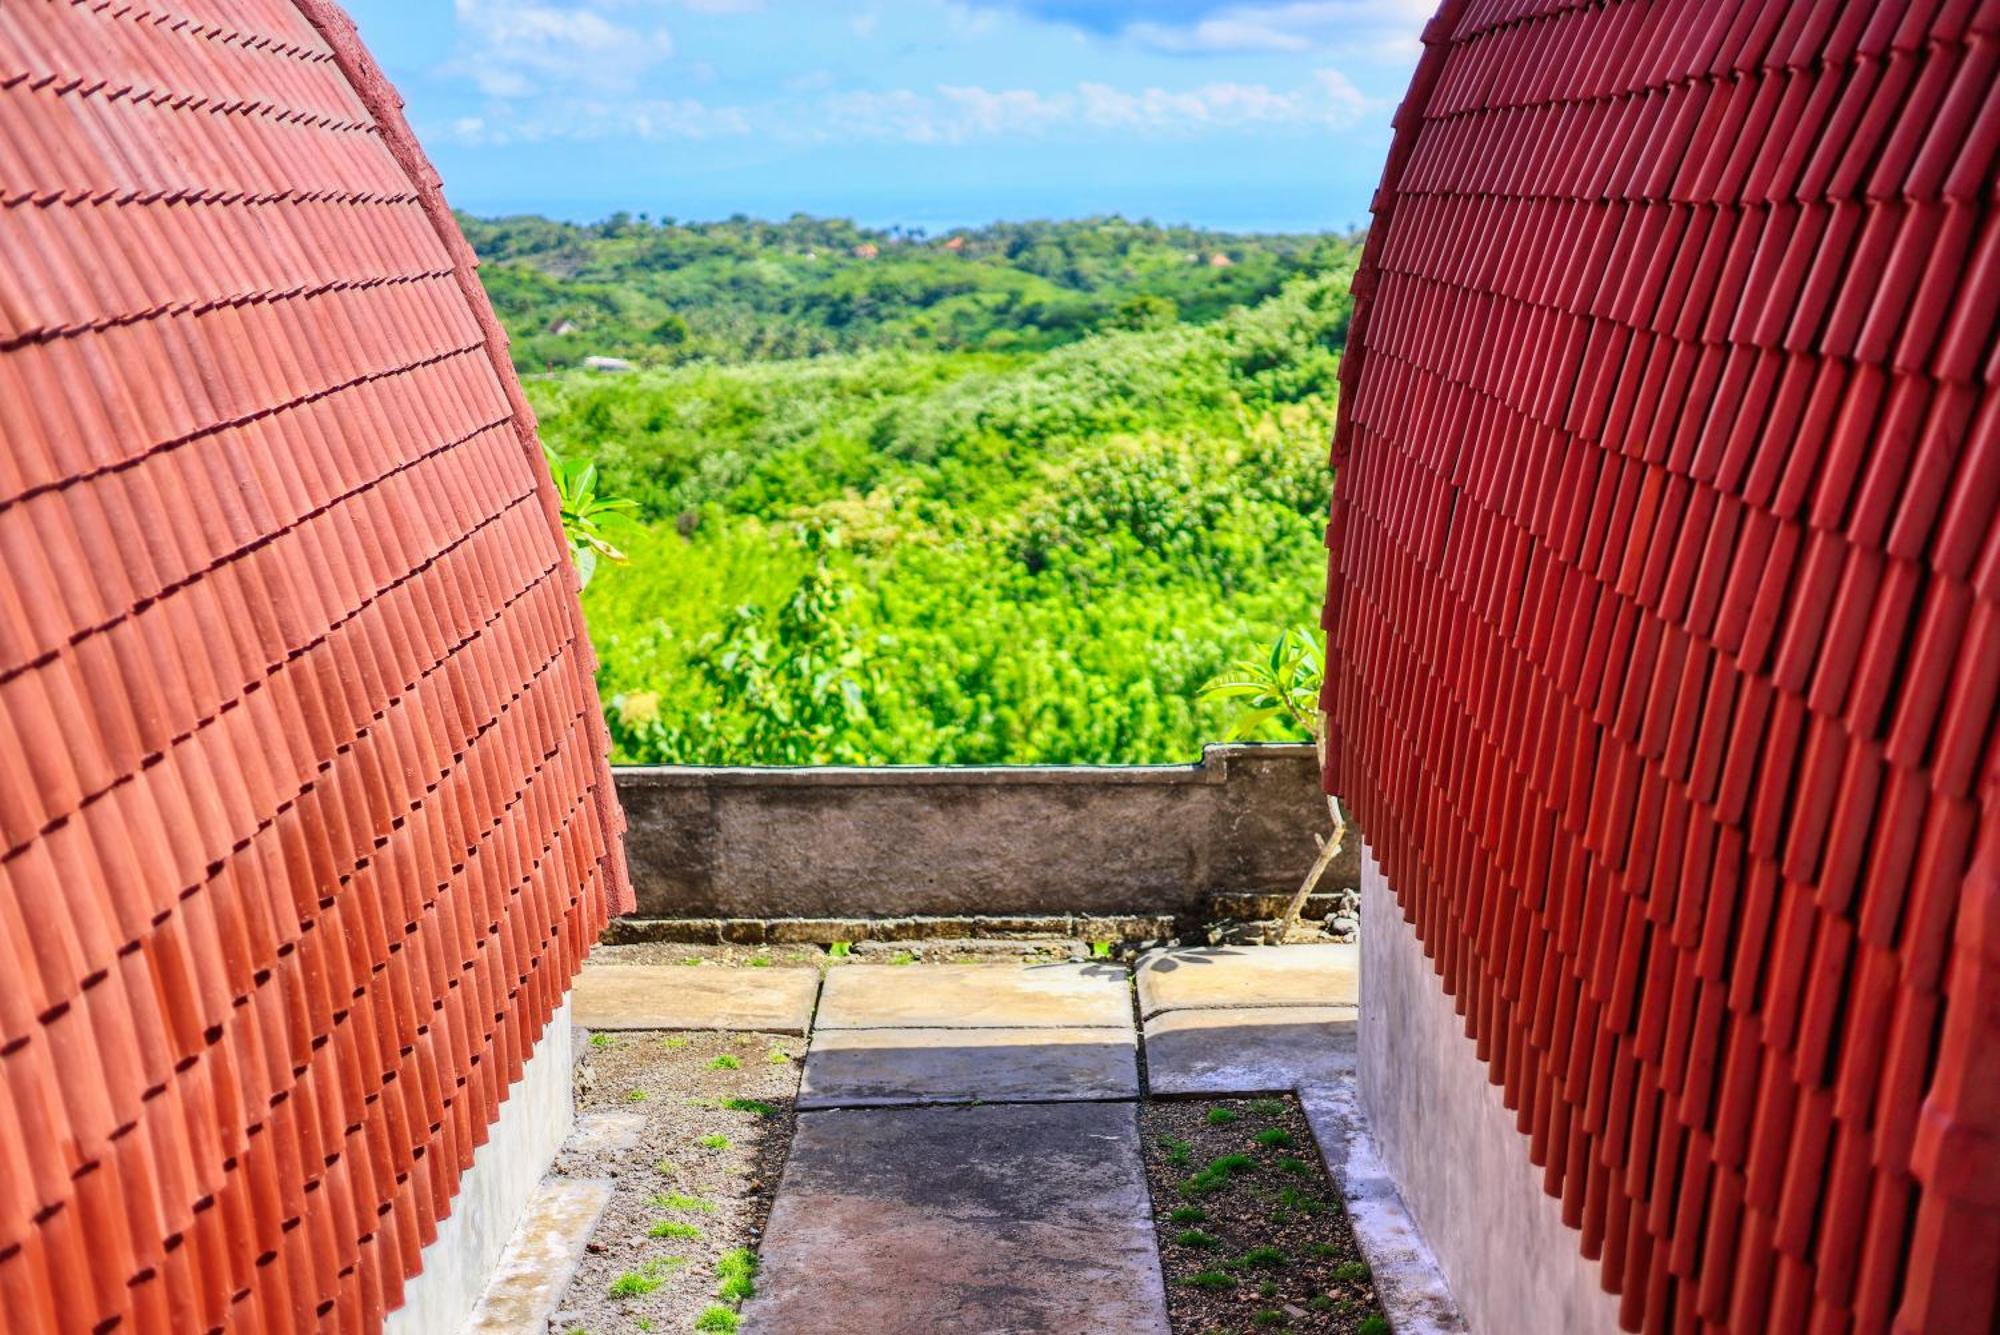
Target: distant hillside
[{"x": 663, "y": 293}]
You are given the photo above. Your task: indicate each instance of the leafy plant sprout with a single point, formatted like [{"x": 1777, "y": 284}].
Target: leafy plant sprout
[
  {"x": 586, "y": 513},
  {"x": 1286, "y": 684}
]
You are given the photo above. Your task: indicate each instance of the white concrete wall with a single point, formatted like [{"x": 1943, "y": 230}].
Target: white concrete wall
[
  {"x": 1461, "y": 1167},
  {"x": 534, "y": 1121}
]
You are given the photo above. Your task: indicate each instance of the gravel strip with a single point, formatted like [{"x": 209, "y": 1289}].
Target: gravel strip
[
  {"x": 703, "y": 1199},
  {"x": 1252, "y": 1234}
]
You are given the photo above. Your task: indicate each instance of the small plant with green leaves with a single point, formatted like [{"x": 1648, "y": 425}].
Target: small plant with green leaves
[
  {"x": 1274, "y": 1138},
  {"x": 1210, "y": 1279},
  {"x": 1284, "y": 685},
  {"x": 1373, "y": 1324},
  {"x": 728, "y": 1061},
  {"x": 587, "y": 513},
  {"x": 717, "y": 1318},
  {"x": 1270, "y": 1317},
  {"x": 674, "y": 1200},
  {"x": 1188, "y": 1214},
  {"x": 1216, "y": 1175},
  {"x": 600, "y": 1040},
  {"x": 756, "y": 1107},
  {"x": 1352, "y": 1272},
  {"x": 759, "y": 961},
  {"x": 715, "y": 1142},
  {"x": 1194, "y": 1237},
  {"x": 840, "y": 950},
  {"x": 1320, "y": 1303},
  {"x": 648, "y": 1277},
  {"x": 777, "y": 1056},
  {"x": 1291, "y": 1202},
  {"x": 643, "y": 1323},
  {"x": 673, "y": 1228},
  {"x": 1322, "y": 1250},
  {"x": 903, "y": 957},
  {"x": 1223, "y": 1116},
  {"x": 1178, "y": 1151},
  {"x": 1267, "y": 1289},
  {"x": 635, "y": 1096},
  {"x": 737, "y": 1275},
  {"x": 1260, "y": 1258},
  {"x": 1295, "y": 1167},
  {"x": 1268, "y": 1107},
  {"x": 676, "y": 1043},
  {"x": 693, "y": 962},
  {"x": 1100, "y": 950}
]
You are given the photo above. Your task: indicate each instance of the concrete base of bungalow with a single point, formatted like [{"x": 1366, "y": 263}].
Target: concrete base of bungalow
[
  {"x": 495, "y": 1193},
  {"x": 1457, "y": 1159}
]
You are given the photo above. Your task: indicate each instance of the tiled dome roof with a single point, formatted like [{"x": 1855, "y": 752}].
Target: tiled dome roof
[
  {"x": 1664, "y": 622},
  {"x": 305, "y": 815}
]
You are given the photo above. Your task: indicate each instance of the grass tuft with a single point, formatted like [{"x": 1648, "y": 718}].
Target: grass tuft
[
  {"x": 1178, "y": 1151},
  {"x": 674, "y": 1200},
  {"x": 715, "y": 1142},
  {"x": 738, "y": 1272},
  {"x": 673, "y": 1228},
  {"x": 757, "y": 1106},
  {"x": 728, "y": 1061},
  {"x": 1223, "y": 1116},
  {"x": 1188, "y": 1214},
  {"x": 1268, "y": 1317},
  {"x": 635, "y": 1096},
  {"x": 1274, "y": 1138},
  {"x": 1352, "y": 1272},
  {"x": 1194, "y": 1237},
  {"x": 1373, "y": 1324},
  {"x": 649, "y": 1276},
  {"x": 1210, "y": 1279},
  {"x": 600, "y": 1040},
  {"x": 1259, "y": 1258},
  {"x": 840, "y": 950},
  {"x": 903, "y": 957},
  {"x": 1268, "y": 1107},
  {"x": 717, "y": 1318}
]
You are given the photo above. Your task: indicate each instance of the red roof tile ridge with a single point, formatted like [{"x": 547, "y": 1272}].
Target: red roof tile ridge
[{"x": 382, "y": 101}]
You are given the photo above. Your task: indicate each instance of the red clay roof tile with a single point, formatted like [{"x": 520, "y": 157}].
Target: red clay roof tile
[
  {"x": 1756, "y": 687},
  {"x": 280, "y": 581}
]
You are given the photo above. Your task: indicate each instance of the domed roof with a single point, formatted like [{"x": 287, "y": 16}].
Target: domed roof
[
  {"x": 305, "y": 814},
  {"x": 1664, "y": 619}
]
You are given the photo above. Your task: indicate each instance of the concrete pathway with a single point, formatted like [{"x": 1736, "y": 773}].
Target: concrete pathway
[
  {"x": 1248, "y": 1020},
  {"x": 647, "y": 996},
  {"x": 909, "y": 1221},
  {"x": 889, "y": 1034}
]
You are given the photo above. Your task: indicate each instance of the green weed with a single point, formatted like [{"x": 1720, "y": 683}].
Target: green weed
[
  {"x": 1194, "y": 1237},
  {"x": 1188, "y": 1214},
  {"x": 1178, "y": 1151},
  {"x": 1259, "y": 1258},
  {"x": 715, "y": 1142},
  {"x": 840, "y": 950},
  {"x": 903, "y": 957},
  {"x": 757, "y": 1106},
  {"x": 726, "y": 1062},
  {"x": 1223, "y": 1116},
  {"x": 1268, "y": 1107},
  {"x": 717, "y": 1318},
  {"x": 1296, "y": 1167},
  {"x": 673, "y": 1044},
  {"x": 1269, "y": 1317},
  {"x": 635, "y": 1096},
  {"x": 759, "y": 961},
  {"x": 648, "y": 1277},
  {"x": 1373, "y": 1324},
  {"x": 1274, "y": 1138},
  {"x": 737, "y": 1271},
  {"x": 674, "y": 1200},
  {"x": 1351, "y": 1272},
  {"x": 673, "y": 1228},
  {"x": 1210, "y": 1279},
  {"x": 600, "y": 1040}
]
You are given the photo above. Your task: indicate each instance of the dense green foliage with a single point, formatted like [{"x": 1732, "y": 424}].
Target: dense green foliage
[
  {"x": 663, "y": 293},
  {"x": 919, "y": 551}
]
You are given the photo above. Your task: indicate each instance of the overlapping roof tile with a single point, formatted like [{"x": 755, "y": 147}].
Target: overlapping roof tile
[
  {"x": 1664, "y": 629},
  {"x": 304, "y": 817}
]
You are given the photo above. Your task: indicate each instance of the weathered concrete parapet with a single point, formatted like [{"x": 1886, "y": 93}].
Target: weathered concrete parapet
[{"x": 1028, "y": 840}]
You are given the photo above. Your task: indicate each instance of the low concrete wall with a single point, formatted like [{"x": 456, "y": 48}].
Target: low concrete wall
[
  {"x": 1021, "y": 840},
  {"x": 534, "y": 1121},
  {"x": 1452, "y": 1149}
]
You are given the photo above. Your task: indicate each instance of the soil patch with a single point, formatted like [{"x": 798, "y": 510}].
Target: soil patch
[
  {"x": 695, "y": 1186},
  {"x": 1253, "y": 1236}
]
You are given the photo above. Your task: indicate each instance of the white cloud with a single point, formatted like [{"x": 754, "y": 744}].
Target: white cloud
[
  {"x": 956, "y": 113},
  {"x": 1301, "y": 25},
  {"x": 514, "y": 49},
  {"x": 590, "y": 118}
]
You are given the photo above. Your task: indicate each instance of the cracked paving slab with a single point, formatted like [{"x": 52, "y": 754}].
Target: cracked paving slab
[{"x": 1002, "y": 1217}]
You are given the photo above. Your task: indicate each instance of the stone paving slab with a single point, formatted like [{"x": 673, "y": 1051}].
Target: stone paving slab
[
  {"x": 973, "y": 996},
  {"x": 539, "y": 1258},
  {"x": 1248, "y": 1049},
  {"x": 1202, "y": 977},
  {"x": 645, "y": 996},
  {"x": 1009, "y": 1217},
  {"x": 859, "y": 1067}
]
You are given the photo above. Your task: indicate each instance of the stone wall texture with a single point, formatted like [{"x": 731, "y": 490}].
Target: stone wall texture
[
  {"x": 1664, "y": 630},
  {"x": 956, "y": 842},
  {"x": 304, "y": 818}
]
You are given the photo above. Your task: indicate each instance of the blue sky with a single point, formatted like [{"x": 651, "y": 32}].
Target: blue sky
[{"x": 932, "y": 113}]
